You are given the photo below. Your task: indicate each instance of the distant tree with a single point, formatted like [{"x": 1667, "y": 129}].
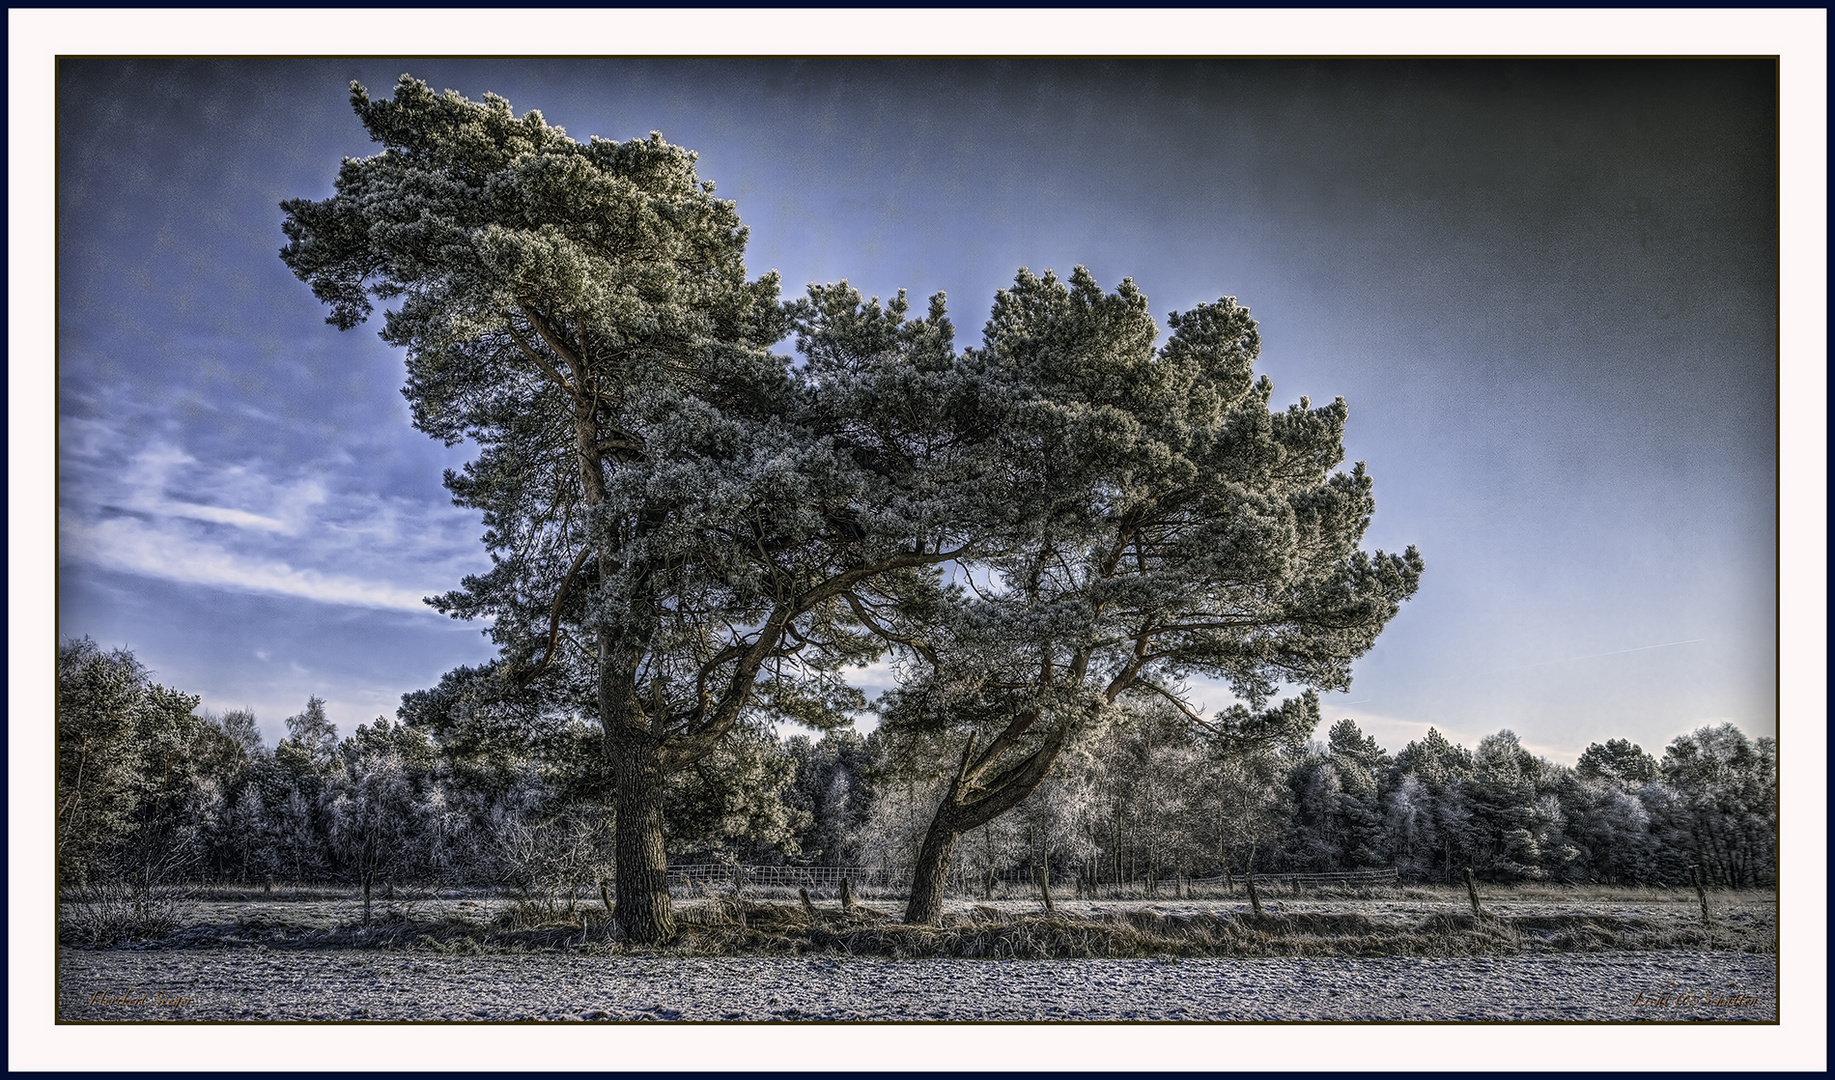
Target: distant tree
[
  {"x": 313, "y": 735},
  {"x": 1145, "y": 767},
  {"x": 1501, "y": 793},
  {"x": 1246, "y": 806},
  {"x": 176, "y": 798},
  {"x": 834, "y": 788},
  {"x": 298, "y": 791},
  {"x": 383, "y": 806},
  {"x": 225, "y": 754},
  {"x": 1408, "y": 823},
  {"x": 250, "y": 836},
  {"x": 1313, "y": 840},
  {"x": 129, "y": 796},
  {"x": 1439, "y": 810},
  {"x": 97, "y": 696},
  {"x": 1617, "y": 759},
  {"x": 1339, "y": 820},
  {"x": 239, "y": 726},
  {"x": 1611, "y": 825},
  {"x": 1723, "y": 811}
]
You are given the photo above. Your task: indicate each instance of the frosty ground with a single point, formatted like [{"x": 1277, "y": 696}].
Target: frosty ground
[
  {"x": 348, "y": 986},
  {"x": 281, "y": 962}
]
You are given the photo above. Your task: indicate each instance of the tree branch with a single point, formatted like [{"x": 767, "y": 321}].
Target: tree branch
[
  {"x": 547, "y": 368},
  {"x": 574, "y": 360},
  {"x": 554, "y": 619},
  {"x": 1180, "y": 705},
  {"x": 919, "y": 647}
]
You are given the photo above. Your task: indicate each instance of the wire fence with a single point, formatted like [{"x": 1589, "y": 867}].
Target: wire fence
[
  {"x": 719, "y": 876},
  {"x": 725, "y": 877},
  {"x": 1341, "y": 879}
]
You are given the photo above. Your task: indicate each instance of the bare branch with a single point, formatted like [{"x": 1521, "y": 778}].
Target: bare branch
[{"x": 554, "y": 618}]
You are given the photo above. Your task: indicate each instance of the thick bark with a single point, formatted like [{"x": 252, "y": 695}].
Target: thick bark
[
  {"x": 643, "y": 910},
  {"x": 970, "y": 805},
  {"x": 932, "y": 871},
  {"x": 635, "y": 752}
]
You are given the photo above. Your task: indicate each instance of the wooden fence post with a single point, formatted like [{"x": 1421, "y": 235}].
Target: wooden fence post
[
  {"x": 1471, "y": 890},
  {"x": 1255, "y": 900},
  {"x": 1044, "y": 879},
  {"x": 809, "y": 906},
  {"x": 847, "y": 895},
  {"x": 1694, "y": 874}
]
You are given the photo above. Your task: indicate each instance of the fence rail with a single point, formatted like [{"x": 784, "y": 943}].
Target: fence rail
[
  {"x": 721, "y": 876},
  {"x": 1344, "y": 877}
]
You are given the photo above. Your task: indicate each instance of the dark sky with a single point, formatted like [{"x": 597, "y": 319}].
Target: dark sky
[{"x": 1547, "y": 289}]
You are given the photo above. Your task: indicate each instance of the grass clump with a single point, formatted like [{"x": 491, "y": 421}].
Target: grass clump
[{"x": 784, "y": 930}]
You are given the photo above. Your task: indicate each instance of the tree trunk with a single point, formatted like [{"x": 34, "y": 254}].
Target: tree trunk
[
  {"x": 931, "y": 873},
  {"x": 643, "y": 911},
  {"x": 972, "y": 800}
]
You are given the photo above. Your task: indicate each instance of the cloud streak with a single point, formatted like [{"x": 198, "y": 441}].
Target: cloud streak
[
  {"x": 1614, "y": 652},
  {"x": 129, "y": 545},
  {"x": 318, "y": 535}
]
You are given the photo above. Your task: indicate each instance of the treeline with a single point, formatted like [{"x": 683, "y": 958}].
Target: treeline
[
  {"x": 1148, "y": 801},
  {"x": 151, "y": 790}
]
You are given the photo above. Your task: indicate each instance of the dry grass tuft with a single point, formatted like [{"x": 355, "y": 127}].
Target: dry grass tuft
[{"x": 785, "y": 930}]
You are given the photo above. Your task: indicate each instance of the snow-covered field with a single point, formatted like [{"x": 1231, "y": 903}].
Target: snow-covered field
[
  {"x": 223, "y": 968},
  {"x": 257, "y": 985}
]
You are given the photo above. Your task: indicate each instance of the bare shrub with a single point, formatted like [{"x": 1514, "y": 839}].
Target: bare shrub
[
  {"x": 111, "y": 912},
  {"x": 543, "y": 863}
]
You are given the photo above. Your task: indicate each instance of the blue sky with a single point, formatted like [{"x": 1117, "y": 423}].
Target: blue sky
[{"x": 1548, "y": 291}]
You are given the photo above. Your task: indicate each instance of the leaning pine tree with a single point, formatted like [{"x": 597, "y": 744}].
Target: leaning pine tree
[
  {"x": 676, "y": 520},
  {"x": 1152, "y": 519}
]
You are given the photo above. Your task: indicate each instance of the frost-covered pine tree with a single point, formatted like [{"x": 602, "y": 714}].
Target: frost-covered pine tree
[
  {"x": 1151, "y": 518},
  {"x": 674, "y": 516}
]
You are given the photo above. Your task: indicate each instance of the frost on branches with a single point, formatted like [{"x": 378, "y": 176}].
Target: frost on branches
[{"x": 693, "y": 536}]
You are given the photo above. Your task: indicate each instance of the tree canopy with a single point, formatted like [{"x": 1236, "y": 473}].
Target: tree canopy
[
  {"x": 690, "y": 533},
  {"x": 1150, "y": 519},
  {"x": 673, "y": 522}
]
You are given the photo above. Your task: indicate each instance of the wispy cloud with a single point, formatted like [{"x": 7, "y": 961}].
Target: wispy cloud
[
  {"x": 151, "y": 473},
  {"x": 319, "y": 534},
  {"x": 135, "y": 547},
  {"x": 1614, "y": 652}
]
